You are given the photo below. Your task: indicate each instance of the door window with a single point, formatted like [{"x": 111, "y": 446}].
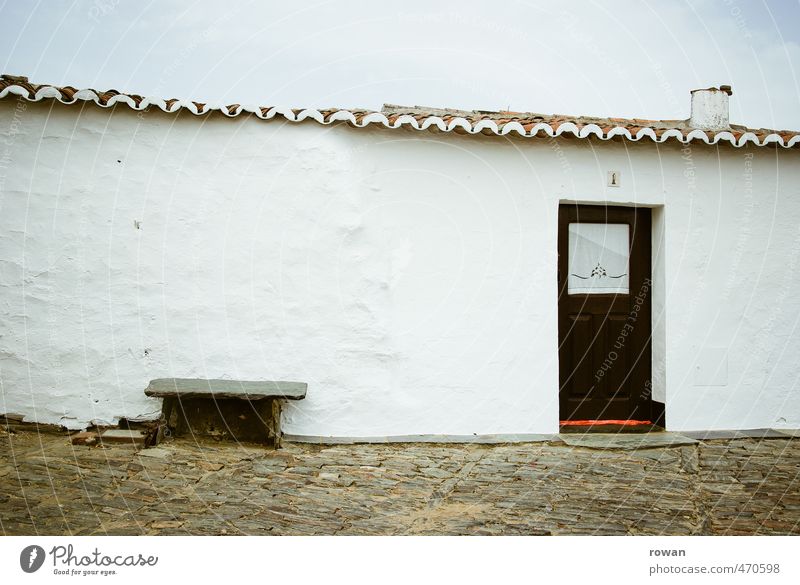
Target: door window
[{"x": 598, "y": 259}]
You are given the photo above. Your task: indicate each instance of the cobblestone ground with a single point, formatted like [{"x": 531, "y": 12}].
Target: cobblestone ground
[{"x": 742, "y": 486}]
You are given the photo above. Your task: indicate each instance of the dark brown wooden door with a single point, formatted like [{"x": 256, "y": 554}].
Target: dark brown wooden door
[{"x": 604, "y": 322}]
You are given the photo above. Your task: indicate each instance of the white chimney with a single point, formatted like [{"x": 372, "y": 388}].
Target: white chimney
[{"x": 710, "y": 108}]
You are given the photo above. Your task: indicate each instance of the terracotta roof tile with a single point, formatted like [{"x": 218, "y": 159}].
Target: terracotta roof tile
[{"x": 459, "y": 121}]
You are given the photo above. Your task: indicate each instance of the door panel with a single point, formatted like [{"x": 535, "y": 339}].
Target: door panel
[
  {"x": 604, "y": 312},
  {"x": 616, "y": 386},
  {"x": 581, "y": 347}
]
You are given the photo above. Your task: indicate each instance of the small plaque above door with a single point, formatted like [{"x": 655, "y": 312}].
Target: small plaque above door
[{"x": 598, "y": 260}]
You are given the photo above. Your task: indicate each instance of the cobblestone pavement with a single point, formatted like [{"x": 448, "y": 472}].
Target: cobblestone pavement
[{"x": 741, "y": 486}]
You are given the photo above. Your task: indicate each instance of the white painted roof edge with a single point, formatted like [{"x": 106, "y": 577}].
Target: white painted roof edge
[{"x": 378, "y": 118}]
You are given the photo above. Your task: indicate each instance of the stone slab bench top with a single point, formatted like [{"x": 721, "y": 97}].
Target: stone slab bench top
[{"x": 199, "y": 388}]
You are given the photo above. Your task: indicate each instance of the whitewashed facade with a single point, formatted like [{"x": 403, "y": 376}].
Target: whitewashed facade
[{"x": 408, "y": 276}]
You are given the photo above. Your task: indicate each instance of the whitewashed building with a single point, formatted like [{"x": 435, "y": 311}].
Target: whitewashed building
[{"x": 426, "y": 271}]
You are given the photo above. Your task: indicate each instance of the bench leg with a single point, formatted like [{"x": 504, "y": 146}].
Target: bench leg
[
  {"x": 166, "y": 422},
  {"x": 271, "y": 415}
]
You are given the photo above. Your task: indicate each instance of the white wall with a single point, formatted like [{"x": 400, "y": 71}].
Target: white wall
[{"x": 408, "y": 277}]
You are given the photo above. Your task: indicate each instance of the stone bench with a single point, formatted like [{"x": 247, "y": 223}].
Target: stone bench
[{"x": 225, "y": 409}]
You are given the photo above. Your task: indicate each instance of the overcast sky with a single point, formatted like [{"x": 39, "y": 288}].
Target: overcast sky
[{"x": 603, "y": 58}]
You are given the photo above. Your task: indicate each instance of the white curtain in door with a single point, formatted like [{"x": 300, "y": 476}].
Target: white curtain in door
[{"x": 598, "y": 260}]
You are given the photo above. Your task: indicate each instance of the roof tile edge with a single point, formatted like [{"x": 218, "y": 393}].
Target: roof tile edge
[{"x": 522, "y": 124}]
